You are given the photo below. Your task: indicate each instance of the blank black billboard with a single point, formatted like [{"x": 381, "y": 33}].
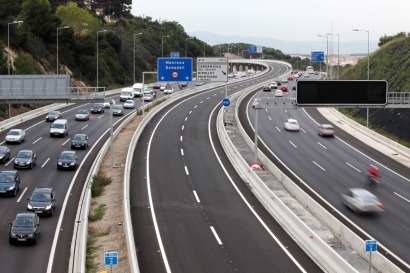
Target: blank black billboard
[{"x": 333, "y": 92}]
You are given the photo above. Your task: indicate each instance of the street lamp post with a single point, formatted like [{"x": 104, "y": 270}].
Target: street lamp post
[
  {"x": 204, "y": 48},
  {"x": 135, "y": 34},
  {"x": 327, "y": 52},
  {"x": 186, "y": 47},
  {"x": 97, "y": 54},
  {"x": 368, "y": 67},
  {"x": 8, "y": 42},
  {"x": 57, "y": 46},
  {"x": 162, "y": 44}
]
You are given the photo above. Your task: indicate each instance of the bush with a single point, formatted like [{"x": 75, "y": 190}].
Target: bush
[
  {"x": 98, "y": 184},
  {"x": 98, "y": 214}
]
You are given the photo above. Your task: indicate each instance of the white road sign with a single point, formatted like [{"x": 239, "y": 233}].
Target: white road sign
[{"x": 212, "y": 69}]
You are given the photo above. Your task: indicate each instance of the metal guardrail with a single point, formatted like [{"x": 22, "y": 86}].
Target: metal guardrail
[{"x": 398, "y": 98}]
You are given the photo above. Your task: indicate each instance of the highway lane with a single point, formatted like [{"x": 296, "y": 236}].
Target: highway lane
[
  {"x": 46, "y": 174},
  {"x": 330, "y": 166},
  {"x": 203, "y": 222}
]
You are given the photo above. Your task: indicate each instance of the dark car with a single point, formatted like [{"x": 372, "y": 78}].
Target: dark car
[
  {"x": 42, "y": 201},
  {"x": 79, "y": 141},
  {"x": 53, "y": 115},
  {"x": 183, "y": 84},
  {"x": 157, "y": 85},
  {"x": 25, "y": 228},
  {"x": 4, "y": 154},
  {"x": 279, "y": 83},
  {"x": 67, "y": 160},
  {"x": 98, "y": 108},
  {"x": 9, "y": 182},
  {"x": 25, "y": 159},
  {"x": 284, "y": 88},
  {"x": 266, "y": 88}
]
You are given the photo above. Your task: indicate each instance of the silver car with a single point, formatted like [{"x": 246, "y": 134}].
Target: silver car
[
  {"x": 82, "y": 114},
  {"x": 15, "y": 136},
  {"x": 362, "y": 201},
  {"x": 117, "y": 110}
]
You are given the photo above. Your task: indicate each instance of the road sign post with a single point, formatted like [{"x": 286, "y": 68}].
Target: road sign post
[
  {"x": 110, "y": 259},
  {"x": 371, "y": 246}
]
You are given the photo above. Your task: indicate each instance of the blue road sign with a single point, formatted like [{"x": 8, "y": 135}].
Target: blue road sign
[
  {"x": 371, "y": 245},
  {"x": 317, "y": 56},
  {"x": 174, "y": 69},
  {"x": 252, "y": 49},
  {"x": 111, "y": 258},
  {"x": 226, "y": 102},
  {"x": 174, "y": 55}
]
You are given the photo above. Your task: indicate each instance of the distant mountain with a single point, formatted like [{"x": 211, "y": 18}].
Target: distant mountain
[{"x": 289, "y": 47}]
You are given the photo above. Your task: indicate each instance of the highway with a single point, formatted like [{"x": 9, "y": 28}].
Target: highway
[
  {"x": 190, "y": 210},
  {"x": 331, "y": 165}
]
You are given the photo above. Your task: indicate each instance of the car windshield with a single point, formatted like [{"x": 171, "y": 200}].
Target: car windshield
[
  {"x": 82, "y": 112},
  {"x": 24, "y": 222},
  {"x": 79, "y": 137},
  {"x": 14, "y": 133},
  {"x": 6, "y": 178},
  {"x": 67, "y": 156},
  {"x": 24, "y": 154},
  {"x": 53, "y": 113},
  {"x": 96, "y": 105},
  {"x": 40, "y": 197},
  {"x": 117, "y": 106},
  {"x": 57, "y": 125},
  {"x": 3, "y": 149}
]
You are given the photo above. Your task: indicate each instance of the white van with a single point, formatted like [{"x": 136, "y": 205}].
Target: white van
[
  {"x": 59, "y": 128},
  {"x": 127, "y": 94},
  {"x": 138, "y": 89}
]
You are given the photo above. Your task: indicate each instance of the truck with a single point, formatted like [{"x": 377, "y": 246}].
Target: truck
[
  {"x": 138, "y": 89},
  {"x": 127, "y": 93}
]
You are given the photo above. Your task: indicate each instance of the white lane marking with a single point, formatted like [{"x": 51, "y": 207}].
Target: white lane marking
[
  {"x": 303, "y": 130},
  {"x": 286, "y": 111},
  {"x": 322, "y": 145},
  {"x": 323, "y": 169},
  {"x": 84, "y": 127},
  {"x": 180, "y": 138},
  {"x": 208, "y": 98},
  {"x": 45, "y": 162},
  {"x": 196, "y": 197},
  {"x": 101, "y": 116},
  {"x": 11, "y": 160},
  {"x": 22, "y": 194},
  {"x": 35, "y": 141},
  {"x": 350, "y": 165},
  {"x": 216, "y": 235},
  {"x": 65, "y": 142},
  {"x": 182, "y": 152},
  {"x": 277, "y": 128},
  {"x": 401, "y": 197},
  {"x": 182, "y": 127},
  {"x": 293, "y": 144},
  {"x": 195, "y": 106},
  {"x": 201, "y": 101},
  {"x": 269, "y": 118},
  {"x": 186, "y": 170},
  {"x": 190, "y": 112},
  {"x": 186, "y": 118},
  {"x": 215, "y": 95}
]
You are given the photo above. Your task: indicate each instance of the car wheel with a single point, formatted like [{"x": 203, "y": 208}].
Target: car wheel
[
  {"x": 10, "y": 241},
  {"x": 15, "y": 192},
  {"x": 34, "y": 241}
]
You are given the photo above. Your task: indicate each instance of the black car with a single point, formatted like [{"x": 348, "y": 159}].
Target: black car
[
  {"x": 266, "y": 88},
  {"x": 9, "y": 182},
  {"x": 183, "y": 84},
  {"x": 79, "y": 141},
  {"x": 98, "y": 108},
  {"x": 25, "y": 228},
  {"x": 42, "y": 201},
  {"x": 53, "y": 115},
  {"x": 25, "y": 159},
  {"x": 4, "y": 153},
  {"x": 67, "y": 160}
]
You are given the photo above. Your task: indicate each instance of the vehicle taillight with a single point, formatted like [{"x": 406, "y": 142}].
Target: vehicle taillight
[{"x": 379, "y": 204}]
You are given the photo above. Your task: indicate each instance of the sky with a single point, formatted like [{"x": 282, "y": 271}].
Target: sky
[{"x": 295, "y": 20}]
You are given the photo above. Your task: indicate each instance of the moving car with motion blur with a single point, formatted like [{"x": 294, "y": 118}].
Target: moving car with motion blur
[
  {"x": 15, "y": 136},
  {"x": 362, "y": 201},
  {"x": 25, "y": 159},
  {"x": 5, "y": 153},
  {"x": 292, "y": 125},
  {"x": 326, "y": 130},
  {"x": 25, "y": 228}
]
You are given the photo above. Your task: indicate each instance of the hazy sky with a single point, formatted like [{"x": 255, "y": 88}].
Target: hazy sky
[{"x": 295, "y": 20}]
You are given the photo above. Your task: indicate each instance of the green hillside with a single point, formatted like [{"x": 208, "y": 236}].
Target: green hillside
[{"x": 392, "y": 63}]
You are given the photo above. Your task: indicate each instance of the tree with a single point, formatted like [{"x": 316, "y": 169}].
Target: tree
[
  {"x": 3, "y": 60},
  {"x": 26, "y": 64},
  {"x": 79, "y": 19}
]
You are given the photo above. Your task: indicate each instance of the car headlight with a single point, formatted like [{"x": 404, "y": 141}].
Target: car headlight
[
  {"x": 72, "y": 163},
  {"x": 13, "y": 234},
  {"x": 59, "y": 163},
  {"x": 28, "y": 162},
  {"x": 30, "y": 235},
  {"x": 29, "y": 206},
  {"x": 48, "y": 207},
  {"x": 12, "y": 188}
]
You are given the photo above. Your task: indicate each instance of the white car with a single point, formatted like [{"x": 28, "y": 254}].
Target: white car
[
  {"x": 169, "y": 90},
  {"x": 362, "y": 201},
  {"x": 278, "y": 93},
  {"x": 82, "y": 114},
  {"x": 129, "y": 104},
  {"x": 284, "y": 80},
  {"x": 273, "y": 85},
  {"x": 15, "y": 135},
  {"x": 292, "y": 125},
  {"x": 162, "y": 88},
  {"x": 107, "y": 103},
  {"x": 257, "y": 103}
]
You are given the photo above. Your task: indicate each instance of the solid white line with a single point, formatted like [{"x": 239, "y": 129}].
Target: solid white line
[
  {"x": 186, "y": 170},
  {"x": 22, "y": 194},
  {"x": 323, "y": 169},
  {"x": 293, "y": 144},
  {"x": 401, "y": 197},
  {"x": 196, "y": 197},
  {"x": 65, "y": 142},
  {"x": 45, "y": 162},
  {"x": 350, "y": 165},
  {"x": 84, "y": 127},
  {"x": 216, "y": 235},
  {"x": 182, "y": 152},
  {"x": 322, "y": 145}
]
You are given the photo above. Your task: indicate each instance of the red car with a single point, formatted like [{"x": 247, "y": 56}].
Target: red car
[
  {"x": 284, "y": 88},
  {"x": 290, "y": 78}
]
